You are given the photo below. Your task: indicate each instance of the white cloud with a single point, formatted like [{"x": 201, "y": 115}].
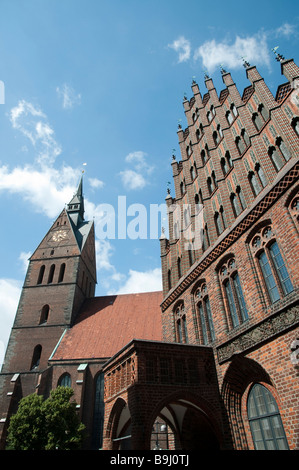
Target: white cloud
[
  {"x": 147, "y": 281},
  {"x": 132, "y": 180},
  {"x": 286, "y": 29},
  {"x": 24, "y": 259},
  {"x": 137, "y": 177},
  {"x": 183, "y": 47},
  {"x": 32, "y": 123},
  {"x": 68, "y": 95},
  {"x": 95, "y": 183},
  {"x": 254, "y": 49},
  {"x": 47, "y": 189},
  {"x": 10, "y": 291}
]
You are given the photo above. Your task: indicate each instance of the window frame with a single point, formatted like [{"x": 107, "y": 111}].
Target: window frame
[{"x": 267, "y": 400}]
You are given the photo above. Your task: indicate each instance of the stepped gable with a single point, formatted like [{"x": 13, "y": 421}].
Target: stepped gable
[{"x": 106, "y": 324}]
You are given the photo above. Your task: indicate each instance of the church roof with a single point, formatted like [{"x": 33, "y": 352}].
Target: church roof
[{"x": 106, "y": 324}]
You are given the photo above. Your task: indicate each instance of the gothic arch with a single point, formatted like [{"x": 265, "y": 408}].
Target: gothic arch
[
  {"x": 239, "y": 377},
  {"x": 193, "y": 420},
  {"x": 118, "y": 422}
]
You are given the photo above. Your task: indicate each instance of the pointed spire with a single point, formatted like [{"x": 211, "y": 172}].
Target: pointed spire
[{"x": 75, "y": 207}]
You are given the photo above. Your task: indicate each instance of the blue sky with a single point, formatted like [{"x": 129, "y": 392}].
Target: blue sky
[{"x": 98, "y": 86}]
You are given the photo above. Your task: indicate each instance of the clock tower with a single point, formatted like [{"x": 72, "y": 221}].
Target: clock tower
[{"x": 61, "y": 275}]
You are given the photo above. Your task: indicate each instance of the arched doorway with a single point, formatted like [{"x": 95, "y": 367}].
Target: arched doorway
[
  {"x": 184, "y": 424},
  {"x": 118, "y": 433}
]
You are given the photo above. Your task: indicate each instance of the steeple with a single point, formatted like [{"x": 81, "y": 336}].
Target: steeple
[{"x": 75, "y": 207}]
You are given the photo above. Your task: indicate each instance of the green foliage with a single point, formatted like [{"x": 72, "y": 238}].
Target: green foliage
[{"x": 46, "y": 424}]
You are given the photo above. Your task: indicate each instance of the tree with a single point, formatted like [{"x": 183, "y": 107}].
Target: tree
[{"x": 46, "y": 424}]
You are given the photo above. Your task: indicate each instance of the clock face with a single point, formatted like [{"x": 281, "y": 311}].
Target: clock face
[{"x": 59, "y": 235}]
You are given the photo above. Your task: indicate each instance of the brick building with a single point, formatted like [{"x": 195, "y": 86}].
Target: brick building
[{"x": 212, "y": 361}]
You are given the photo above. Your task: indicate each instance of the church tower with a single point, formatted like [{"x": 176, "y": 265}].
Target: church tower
[{"x": 60, "y": 276}]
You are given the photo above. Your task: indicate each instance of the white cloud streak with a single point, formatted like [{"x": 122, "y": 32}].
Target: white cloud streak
[
  {"x": 253, "y": 48},
  {"x": 138, "y": 281},
  {"x": 32, "y": 123},
  {"x": 136, "y": 178},
  {"x": 68, "y": 96},
  {"x": 183, "y": 47}
]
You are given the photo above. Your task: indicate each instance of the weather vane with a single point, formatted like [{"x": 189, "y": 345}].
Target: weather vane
[
  {"x": 278, "y": 57},
  {"x": 245, "y": 63}
]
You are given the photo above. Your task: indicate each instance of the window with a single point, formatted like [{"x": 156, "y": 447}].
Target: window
[
  {"x": 242, "y": 142},
  {"x": 205, "y": 319},
  {"x": 41, "y": 274},
  {"x": 294, "y": 209},
  {"x": 226, "y": 163},
  {"x": 180, "y": 324},
  {"x": 276, "y": 158},
  {"x": 254, "y": 183},
  {"x": 257, "y": 121},
  {"x": 36, "y": 357},
  {"x": 229, "y": 117},
  {"x": 235, "y": 301},
  {"x": 271, "y": 264},
  {"x": 203, "y": 157},
  {"x": 237, "y": 209},
  {"x": 283, "y": 148},
  {"x": 61, "y": 272},
  {"x": 295, "y": 125},
  {"x": 98, "y": 415},
  {"x": 179, "y": 267},
  {"x": 220, "y": 221},
  {"x": 169, "y": 279},
  {"x": 265, "y": 421},
  {"x": 51, "y": 274},
  {"x": 44, "y": 314},
  {"x": 65, "y": 380},
  {"x": 279, "y": 154}
]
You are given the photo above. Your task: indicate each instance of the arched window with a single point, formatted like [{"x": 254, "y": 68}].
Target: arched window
[
  {"x": 237, "y": 209},
  {"x": 98, "y": 415},
  {"x": 204, "y": 314},
  {"x": 41, "y": 274},
  {"x": 182, "y": 188},
  {"x": 36, "y": 357},
  {"x": 61, "y": 272},
  {"x": 254, "y": 183},
  {"x": 232, "y": 288},
  {"x": 229, "y": 117},
  {"x": 65, "y": 380},
  {"x": 203, "y": 157},
  {"x": 294, "y": 209},
  {"x": 295, "y": 125},
  {"x": 257, "y": 121},
  {"x": 216, "y": 138},
  {"x": 179, "y": 267},
  {"x": 275, "y": 158},
  {"x": 283, "y": 148},
  {"x": 51, "y": 274},
  {"x": 44, "y": 314},
  {"x": 180, "y": 324},
  {"x": 265, "y": 421},
  {"x": 271, "y": 264},
  {"x": 169, "y": 279},
  {"x": 240, "y": 145}
]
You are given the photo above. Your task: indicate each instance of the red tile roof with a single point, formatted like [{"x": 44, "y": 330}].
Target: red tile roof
[{"x": 107, "y": 324}]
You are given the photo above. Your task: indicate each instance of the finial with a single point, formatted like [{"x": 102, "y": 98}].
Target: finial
[
  {"x": 278, "y": 57},
  {"x": 245, "y": 63},
  {"x": 223, "y": 71},
  {"x": 206, "y": 75},
  {"x": 193, "y": 80},
  {"x": 179, "y": 124}
]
